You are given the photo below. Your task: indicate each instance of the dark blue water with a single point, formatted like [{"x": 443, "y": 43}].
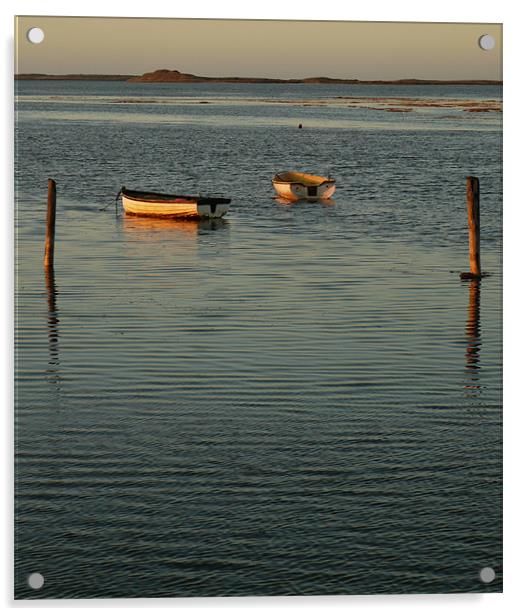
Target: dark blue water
[{"x": 298, "y": 399}]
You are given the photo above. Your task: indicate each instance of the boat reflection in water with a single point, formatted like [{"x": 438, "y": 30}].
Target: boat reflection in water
[
  {"x": 163, "y": 243},
  {"x": 170, "y": 228},
  {"x": 284, "y": 201},
  {"x": 473, "y": 338}
]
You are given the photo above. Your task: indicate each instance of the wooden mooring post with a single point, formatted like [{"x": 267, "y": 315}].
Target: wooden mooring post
[
  {"x": 49, "y": 254},
  {"x": 473, "y": 208}
]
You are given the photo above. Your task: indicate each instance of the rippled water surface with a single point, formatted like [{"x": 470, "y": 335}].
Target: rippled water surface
[{"x": 296, "y": 399}]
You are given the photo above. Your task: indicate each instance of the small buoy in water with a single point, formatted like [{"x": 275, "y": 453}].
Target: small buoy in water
[{"x": 300, "y": 125}]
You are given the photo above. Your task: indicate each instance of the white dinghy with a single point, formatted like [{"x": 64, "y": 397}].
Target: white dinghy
[
  {"x": 294, "y": 185},
  {"x": 161, "y": 205}
]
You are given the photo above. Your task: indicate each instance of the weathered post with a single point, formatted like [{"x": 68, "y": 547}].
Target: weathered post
[
  {"x": 473, "y": 207},
  {"x": 49, "y": 253}
]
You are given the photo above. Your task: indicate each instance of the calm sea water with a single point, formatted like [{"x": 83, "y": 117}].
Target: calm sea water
[{"x": 297, "y": 399}]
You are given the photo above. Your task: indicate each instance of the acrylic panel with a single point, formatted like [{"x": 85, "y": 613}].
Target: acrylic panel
[{"x": 263, "y": 354}]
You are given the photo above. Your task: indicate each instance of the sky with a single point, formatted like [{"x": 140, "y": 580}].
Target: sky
[{"x": 259, "y": 48}]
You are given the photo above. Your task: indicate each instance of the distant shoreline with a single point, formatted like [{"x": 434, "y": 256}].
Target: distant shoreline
[
  {"x": 80, "y": 77},
  {"x": 167, "y": 76}
]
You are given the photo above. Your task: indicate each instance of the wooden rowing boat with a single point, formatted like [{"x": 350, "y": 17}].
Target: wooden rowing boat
[
  {"x": 161, "y": 205},
  {"x": 294, "y": 185}
]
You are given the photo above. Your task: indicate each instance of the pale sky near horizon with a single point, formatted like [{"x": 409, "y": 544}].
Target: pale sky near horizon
[{"x": 282, "y": 49}]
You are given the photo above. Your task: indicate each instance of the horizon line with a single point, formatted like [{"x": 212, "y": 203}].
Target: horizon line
[{"x": 276, "y": 79}]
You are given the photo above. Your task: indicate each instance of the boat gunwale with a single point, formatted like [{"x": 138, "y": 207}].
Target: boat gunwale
[
  {"x": 324, "y": 180},
  {"x": 157, "y": 197},
  {"x": 302, "y": 184}
]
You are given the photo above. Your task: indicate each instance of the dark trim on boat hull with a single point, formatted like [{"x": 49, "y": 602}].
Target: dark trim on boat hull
[{"x": 167, "y": 216}]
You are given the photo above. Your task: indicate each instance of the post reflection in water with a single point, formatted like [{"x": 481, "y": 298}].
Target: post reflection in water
[
  {"x": 52, "y": 371},
  {"x": 473, "y": 338}
]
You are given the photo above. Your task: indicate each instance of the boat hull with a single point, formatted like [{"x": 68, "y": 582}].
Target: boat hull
[
  {"x": 297, "y": 192},
  {"x": 175, "y": 207}
]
